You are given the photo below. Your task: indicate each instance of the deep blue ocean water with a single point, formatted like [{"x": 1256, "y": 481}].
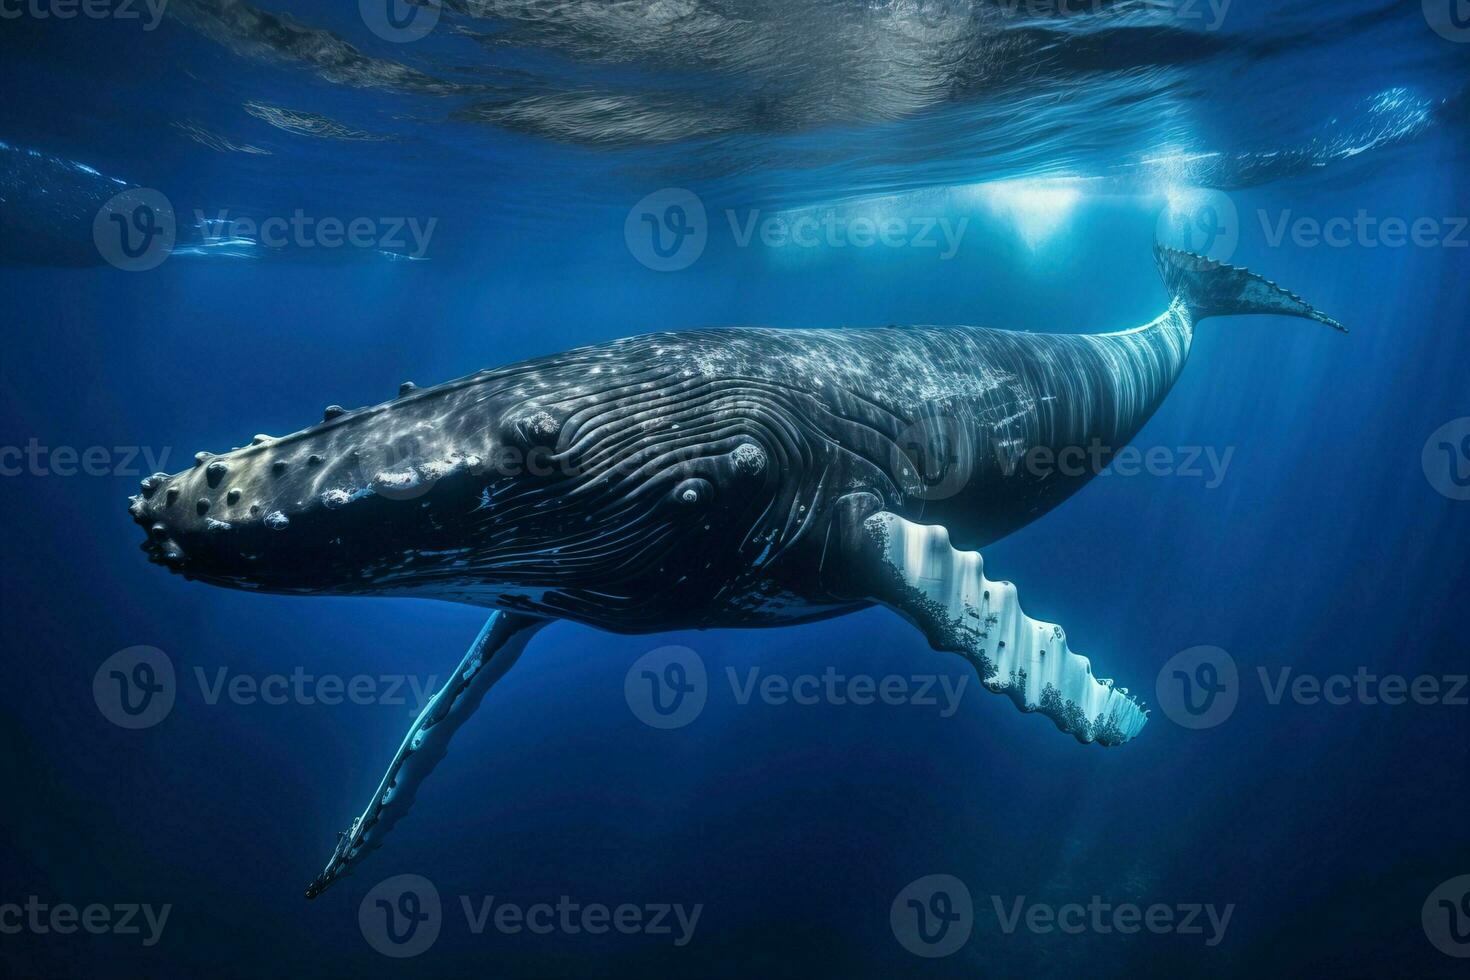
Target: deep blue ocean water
[{"x": 528, "y": 137}]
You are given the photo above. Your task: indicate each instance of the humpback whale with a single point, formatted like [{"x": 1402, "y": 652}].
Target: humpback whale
[{"x": 700, "y": 479}]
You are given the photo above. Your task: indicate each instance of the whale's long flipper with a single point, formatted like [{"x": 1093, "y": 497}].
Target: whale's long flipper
[
  {"x": 493, "y": 653},
  {"x": 914, "y": 570}
]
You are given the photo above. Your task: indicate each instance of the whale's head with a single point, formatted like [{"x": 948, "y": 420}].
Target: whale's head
[{"x": 537, "y": 489}]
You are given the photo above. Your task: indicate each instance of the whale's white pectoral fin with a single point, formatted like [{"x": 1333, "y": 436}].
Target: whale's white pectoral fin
[
  {"x": 493, "y": 653},
  {"x": 946, "y": 594}
]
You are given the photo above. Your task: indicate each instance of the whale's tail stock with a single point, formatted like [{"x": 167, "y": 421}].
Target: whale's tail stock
[{"x": 1210, "y": 288}]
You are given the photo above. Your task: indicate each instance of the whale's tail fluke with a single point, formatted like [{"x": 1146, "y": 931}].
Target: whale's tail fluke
[{"x": 1210, "y": 288}]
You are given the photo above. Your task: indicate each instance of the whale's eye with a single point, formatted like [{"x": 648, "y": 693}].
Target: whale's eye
[{"x": 692, "y": 492}]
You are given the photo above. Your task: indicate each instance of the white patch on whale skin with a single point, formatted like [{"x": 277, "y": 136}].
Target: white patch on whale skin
[
  {"x": 425, "y": 474},
  {"x": 399, "y": 481},
  {"x": 335, "y": 498}
]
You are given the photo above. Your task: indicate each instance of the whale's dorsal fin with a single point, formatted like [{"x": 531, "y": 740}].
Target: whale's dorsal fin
[
  {"x": 493, "y": 653},
  {"x": 913, "y": 569}
]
